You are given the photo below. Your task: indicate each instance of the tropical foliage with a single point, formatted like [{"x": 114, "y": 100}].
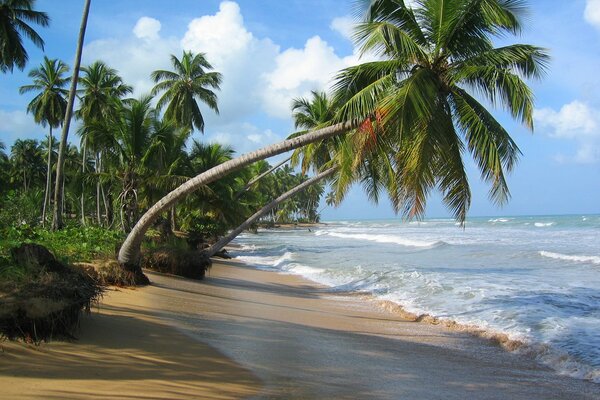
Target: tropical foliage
[
  {"x": 182, "y": 87},
  {"x": 421, "y": 101},
  {"x": 398, "y": 125},
  {"x": 15, "y": 19}
]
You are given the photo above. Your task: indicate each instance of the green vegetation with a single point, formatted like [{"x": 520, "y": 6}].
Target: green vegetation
[
  {"x": 398, "y": 125},
  {"x": 15, "y": 17}
]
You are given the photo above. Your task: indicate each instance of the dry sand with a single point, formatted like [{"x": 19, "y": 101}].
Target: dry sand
[
  {"x": 124, "y": 352},
  {"x": 264, "y": 335}
]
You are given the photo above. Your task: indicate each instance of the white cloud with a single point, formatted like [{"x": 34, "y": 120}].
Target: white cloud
[
  {"x": 135, "y": 57},
  {"x": 147, "y": 28},
  {"x": 258, "y": 76},
  {"x": 344, "y": 26},
  {"x": 298, "y": 71},
  {"x": 592, "y": 12},
  {"x": 222, "y": 36},
  {"x": 574, "y": 121},
  {"x": 237, "y": 54}
]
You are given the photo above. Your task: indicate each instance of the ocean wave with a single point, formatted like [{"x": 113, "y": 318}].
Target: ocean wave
[
  {"x": 496, "y": 220},
  {"x": 543, "y": 224},
  {"x": 303, "y": 270},
  {"x": 566, "y": 257},
  {"x": 266, "y": 261},
  {"x": 385, "y": 239}
]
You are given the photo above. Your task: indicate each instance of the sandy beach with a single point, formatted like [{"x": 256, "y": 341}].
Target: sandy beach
[{"x": 245, "y": 333}]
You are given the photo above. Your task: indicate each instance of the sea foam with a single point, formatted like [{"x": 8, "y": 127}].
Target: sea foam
[
  {"x": 385, "y": 239},
  {"x": 543, "y": 224},
  {"x": 491, "y": 276},
  {"x": 566, "y": 257}
]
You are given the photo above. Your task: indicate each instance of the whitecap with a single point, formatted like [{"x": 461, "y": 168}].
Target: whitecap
[
  {"x": 304, "y": 270},
  {"x": 566, "y": 257},
  {"x": 543, "y": 224},
  {"x": 387, "y": 239},
  {"x": 273, "y": 261}
]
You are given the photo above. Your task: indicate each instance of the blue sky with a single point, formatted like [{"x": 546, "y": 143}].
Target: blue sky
[{"x": 271, "y": 51}]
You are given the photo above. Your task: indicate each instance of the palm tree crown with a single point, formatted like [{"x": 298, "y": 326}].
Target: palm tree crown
[
  {"x": 100, "y": 93},
  {"x": 14, "y": 18},
  {"x": 188, "y": 83},
  {"x": 49, "y": 105},
  {"x": 437, "y": 58},
  {"x": 315, "y": 112}
]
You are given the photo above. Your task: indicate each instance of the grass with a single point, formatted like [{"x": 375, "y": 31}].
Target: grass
[{"x": 71, "y": 244}]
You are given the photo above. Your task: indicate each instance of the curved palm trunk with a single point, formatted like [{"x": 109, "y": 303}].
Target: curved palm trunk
[
  {"x": 259, "y": 177},
  {"x": 57, "y": 222},
  {"x": 246, "y": 224},
  {"x": 129, "y": 255},
  {"x": 47, "y": 193}
]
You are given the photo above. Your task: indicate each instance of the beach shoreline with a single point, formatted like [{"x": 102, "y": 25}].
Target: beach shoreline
[{"x": 275, "y": 335}]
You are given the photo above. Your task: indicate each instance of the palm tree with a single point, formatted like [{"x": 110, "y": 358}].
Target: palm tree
[
  {"x": 57, "y": 222},
  {"x": 100, "y": 95},
  {"x": 183, "y": 87},
  {"x": 4, "y": 168},
  {"x": 308, "y": 114},
  {"x": 215, "y": 248},
  {"x": 48, "y": 107},
  {"x": 15, "y": 15},
  {"x": 312, "y": 113},
  {"x": 215, "y": 203},
  {"x": 419, "y": 95},
  {"x": 101, "y": 91},
  {"x": 27, "y": 163},
  {"x": 129, "y": 252},
  {"x": 410, "y": 100},
  {"x": 133, "y": 131}
]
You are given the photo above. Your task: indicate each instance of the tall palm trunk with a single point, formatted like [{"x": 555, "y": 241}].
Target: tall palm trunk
[
  {"x": 246, "y": 224},
  {"x": 259, "y": 177},
  {"x": 57, "y": 222},
  {"x": 129, "y": 254},
  {"x": 47, "y": 193},
  {"x": 83, "y": 162},
  {"x": 98, "y": 213}
]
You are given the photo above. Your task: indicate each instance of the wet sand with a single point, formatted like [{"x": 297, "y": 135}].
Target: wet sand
[
  {"x": 305, "y": 342},
  {"x": 244, "y": 333}
]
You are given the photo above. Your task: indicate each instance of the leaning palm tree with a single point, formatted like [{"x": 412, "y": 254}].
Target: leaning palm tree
[
  {"x": 15, "y": 17},
  {"x": 183, "y": 88},
  {"x": 436, "y": 59},
  {"x": 48, "y": 107},
  {"x": 215, "y": 248},
  {"x": 57, "y": 221},
  {"x": 309, "y": 113},
  {"x": 416, "y": 98}
]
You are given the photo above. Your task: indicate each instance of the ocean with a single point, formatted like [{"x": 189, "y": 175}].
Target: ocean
[{"x": 533, "y": 278}]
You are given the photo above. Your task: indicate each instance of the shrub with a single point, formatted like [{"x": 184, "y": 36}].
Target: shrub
[{"x": 187, "y": 263}]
